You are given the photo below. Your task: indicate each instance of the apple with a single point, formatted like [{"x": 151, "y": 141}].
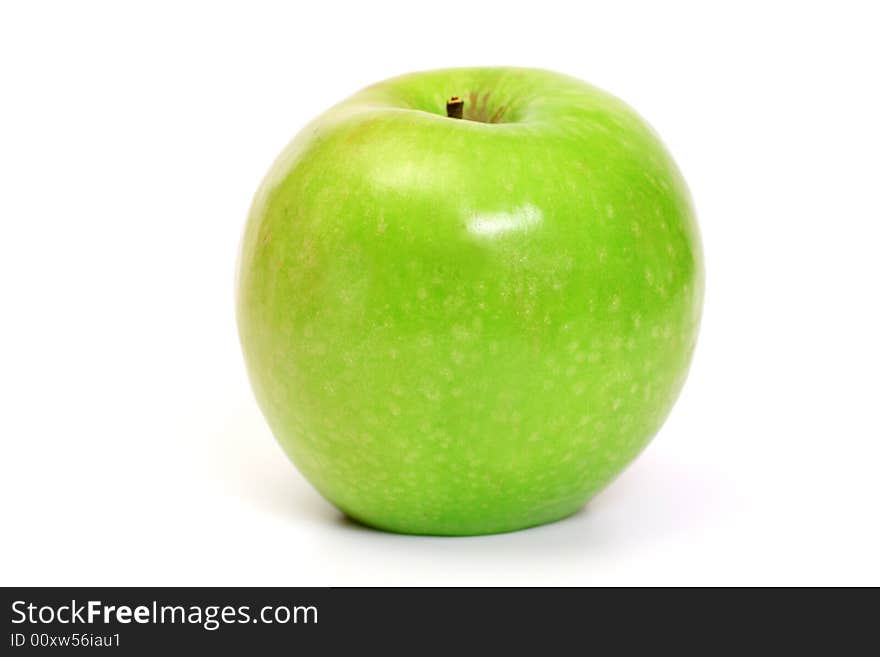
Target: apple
[{"x": 470, "y": 325}]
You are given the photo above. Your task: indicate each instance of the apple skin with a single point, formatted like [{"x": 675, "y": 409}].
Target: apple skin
[{"x": 457, "y": 326}]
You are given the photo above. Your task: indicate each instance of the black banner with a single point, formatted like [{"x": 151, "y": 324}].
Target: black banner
[{"x": 147, "y": 620}]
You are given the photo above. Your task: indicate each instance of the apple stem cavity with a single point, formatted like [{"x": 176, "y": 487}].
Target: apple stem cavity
[{"x": 454, "y": 107}]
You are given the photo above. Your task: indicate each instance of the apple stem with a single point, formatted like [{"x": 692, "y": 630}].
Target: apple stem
[{"x": 454, "y": 107}]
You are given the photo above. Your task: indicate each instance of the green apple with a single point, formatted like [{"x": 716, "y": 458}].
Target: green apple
[{"x": 469, "y": 325}]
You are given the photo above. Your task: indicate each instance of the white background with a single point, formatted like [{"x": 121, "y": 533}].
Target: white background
[{"x": 132, "y": 136}]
